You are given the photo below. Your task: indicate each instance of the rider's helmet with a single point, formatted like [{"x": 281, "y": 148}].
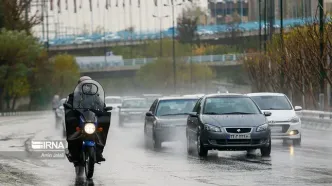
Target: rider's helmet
[{"x": 83, "y": 78}]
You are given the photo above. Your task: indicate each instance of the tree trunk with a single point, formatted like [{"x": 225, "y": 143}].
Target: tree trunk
[{"x": 14, "y": 103}]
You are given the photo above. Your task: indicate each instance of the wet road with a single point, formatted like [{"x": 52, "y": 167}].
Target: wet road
[{"x": 129, "y": 162}]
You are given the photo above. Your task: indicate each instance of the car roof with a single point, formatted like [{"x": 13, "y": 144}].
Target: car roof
[
  {"x": 128, "y": 99},
  {"x": 147, "y": 95},
  {"x": 177, "y": 98},
  {"x": 193, "y": 95},
  {"x": 225, "y": 95},
  {"x": 266, "y": 94},
  {"x": 116, "y": 97}
]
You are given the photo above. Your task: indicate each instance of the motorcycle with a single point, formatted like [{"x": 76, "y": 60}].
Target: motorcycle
[{"x": 88, "y": 102}]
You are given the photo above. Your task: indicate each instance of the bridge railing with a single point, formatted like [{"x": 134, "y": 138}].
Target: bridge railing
[{"x": 142, "y": 61}]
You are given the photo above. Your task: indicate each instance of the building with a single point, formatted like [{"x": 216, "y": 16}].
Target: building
[{"x": 222, "y": 11}]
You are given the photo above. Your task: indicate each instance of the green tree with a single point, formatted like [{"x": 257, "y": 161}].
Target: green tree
[
  {"x": 65, "y": 74},
  {"x": 18, "y": 51}
]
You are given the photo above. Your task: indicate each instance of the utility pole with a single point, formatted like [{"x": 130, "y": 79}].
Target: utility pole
[
  {"x": 265, "y": 24},
  {"x": 260, "y": 24},
  {"x": 160, "y": 32},
  {"x": 321, "y": 32},
  {"x": 173, "y": 39},
  {"x": 1, "y": 14}
]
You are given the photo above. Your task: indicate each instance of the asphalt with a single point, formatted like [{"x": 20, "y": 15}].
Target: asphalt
[{"x": 130, "y": 162}]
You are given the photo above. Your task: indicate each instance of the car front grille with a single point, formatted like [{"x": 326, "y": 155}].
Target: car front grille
[
  {"x": 238, "y": 130},
  {"x": 279, "y": 128}
]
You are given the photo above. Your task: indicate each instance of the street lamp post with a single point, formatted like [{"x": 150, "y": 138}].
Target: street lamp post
[
  {"x": 160, "y": 32},
  {"x": 173, "y": 38}
]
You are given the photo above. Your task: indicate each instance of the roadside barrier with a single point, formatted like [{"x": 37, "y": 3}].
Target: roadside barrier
[
  {"x": 313, "y": 119},
  {"x": 24, "y": 113}
]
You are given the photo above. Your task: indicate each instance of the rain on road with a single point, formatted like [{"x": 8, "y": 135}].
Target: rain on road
[{"x": 130, "y": 162}]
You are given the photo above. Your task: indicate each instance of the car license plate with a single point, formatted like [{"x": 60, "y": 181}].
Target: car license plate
[
  {"x": 240, "y": 136},
  {"x": 276, "y": 128}
]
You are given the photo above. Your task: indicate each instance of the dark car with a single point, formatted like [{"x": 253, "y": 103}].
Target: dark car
[
  {"x": 166, "y": 119},
  {"x": 132, "y": 110},
  {"x": 228, "y": 122}
]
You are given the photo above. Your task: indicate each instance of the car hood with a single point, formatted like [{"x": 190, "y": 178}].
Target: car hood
[
  {"x": 134, "y": 109},
  {"x": 173, "y": 120},
  {"x": 246, "y": 120},
  {"x": 280, "y": 115}
]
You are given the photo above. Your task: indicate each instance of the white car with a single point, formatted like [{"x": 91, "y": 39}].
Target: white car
[
  {"x": 284, "y": 122},
  {"x": 113, "y": 101}
]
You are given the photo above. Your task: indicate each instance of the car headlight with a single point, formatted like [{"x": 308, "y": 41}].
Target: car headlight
[
  {"x": 212, "y": 128},
  {"x": 89, "y": 128},
  {"x": 295, "y": 119},
  {"x": 262, "y": 128}
]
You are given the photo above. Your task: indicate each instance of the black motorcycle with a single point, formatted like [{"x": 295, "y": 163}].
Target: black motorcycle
[{"x": 89, "y": 104}]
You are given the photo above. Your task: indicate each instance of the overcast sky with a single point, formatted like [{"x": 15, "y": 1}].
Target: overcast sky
[{"x": 113, "y": 19}]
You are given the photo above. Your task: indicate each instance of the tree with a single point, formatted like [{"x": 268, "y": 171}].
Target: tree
[
  {"x": 65, "y": 74},
  {"x": 16, "y": 17},
  {"x": 187, "y": 29},
  {"x": 18, "y": 51}
]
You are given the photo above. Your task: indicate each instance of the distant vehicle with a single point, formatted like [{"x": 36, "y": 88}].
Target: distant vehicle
[
  {"x": 227, "y": 122},
  {"x": 81, "y": 40},
  {"x": 132, "y": 110},
  {"x": 166, "y": 119},
  {"x": 151, "y": 98},
  {"x": 111, "y": 37},
  {"x": 60, "y": 116},
  {"x": 113, "y": 101},
  {"x": 284, "y": 123}
]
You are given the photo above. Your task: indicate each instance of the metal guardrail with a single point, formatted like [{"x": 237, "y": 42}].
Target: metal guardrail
[
  {"x": 215, "y": 59},
  {"x": 24, "y": 113},
  {"x": 313, "y": 119}
]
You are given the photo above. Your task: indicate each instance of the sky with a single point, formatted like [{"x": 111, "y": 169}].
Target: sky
[{"x": 113, "y": 19}]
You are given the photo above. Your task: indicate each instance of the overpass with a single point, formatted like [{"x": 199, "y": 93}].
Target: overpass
[{"x": 129, "y": 67}]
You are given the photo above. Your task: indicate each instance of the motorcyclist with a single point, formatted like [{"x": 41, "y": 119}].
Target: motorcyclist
[{"x": 74, "y": 146}]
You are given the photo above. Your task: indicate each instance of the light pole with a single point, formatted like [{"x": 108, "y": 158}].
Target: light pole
[
  {"x": 173, "y": 38},
  {"x": 160, "y": 37}
]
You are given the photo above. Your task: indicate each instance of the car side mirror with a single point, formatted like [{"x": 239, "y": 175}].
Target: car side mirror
[
  {"x": 108, "y": 108},
  {"x": 297, "y": 108},
  {"x": 67, "y": 106},
  {"x": 119, "y": 106},
  {"x": 149, "y": 114},
  {"x": 267, "y": 113},
  {"x": 193, "y": 114},
  {"x": 61, "y": 107}
]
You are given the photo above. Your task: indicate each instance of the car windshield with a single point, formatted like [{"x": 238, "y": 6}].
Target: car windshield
[
  {"x": 272, "y": 102},
  {"x": 175, "y": 107},
  {"x": 137, "y": 103},
  {"x": 113, "y": 101},
  {"x": 230, "y": 105}
]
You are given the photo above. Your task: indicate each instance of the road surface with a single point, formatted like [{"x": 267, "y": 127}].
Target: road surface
[{"x": 129, "y": 162}]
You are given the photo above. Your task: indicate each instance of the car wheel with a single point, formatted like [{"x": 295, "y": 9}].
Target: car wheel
[
  {"x": 266, "y": 151},
  {"x": 189, "y": 145},
  {"x": 297, "y": 142},
  {"x": 201, "y": 150}
]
